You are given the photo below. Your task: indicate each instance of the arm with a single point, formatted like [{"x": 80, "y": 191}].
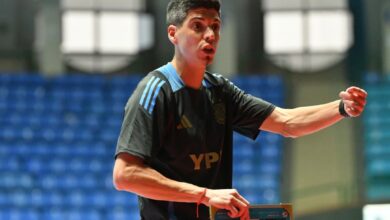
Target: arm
[
  {"x": 133, "y": 175},
  {"x": 306, "y": 120}
]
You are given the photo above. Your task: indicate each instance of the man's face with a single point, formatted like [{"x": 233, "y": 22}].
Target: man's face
[{"x": 197, "y": 39}]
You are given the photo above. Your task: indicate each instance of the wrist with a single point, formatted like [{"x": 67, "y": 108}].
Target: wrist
[
  {"x": 202, "y": 199},
  {"x": 342, "y": 110},
  {"x": 206, "y": 197}
]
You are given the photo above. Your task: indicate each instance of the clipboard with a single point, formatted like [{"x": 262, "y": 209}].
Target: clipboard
[{"x": 258, "y": 212}]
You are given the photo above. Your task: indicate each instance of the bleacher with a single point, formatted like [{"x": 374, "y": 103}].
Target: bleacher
[
  {"x": 377, "y": 138},
  {"x": 58, "y": 138}
]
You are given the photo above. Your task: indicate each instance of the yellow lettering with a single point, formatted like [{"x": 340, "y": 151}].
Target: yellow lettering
[
  {"x": 211, "y": 158},
  {"x": 197, "y": 160}
]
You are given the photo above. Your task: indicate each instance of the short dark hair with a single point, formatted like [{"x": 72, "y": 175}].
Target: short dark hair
[{"x": 177, "y": 9}]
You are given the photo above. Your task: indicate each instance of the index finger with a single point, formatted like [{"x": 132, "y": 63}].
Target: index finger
[{"x": 242, "y": 199}]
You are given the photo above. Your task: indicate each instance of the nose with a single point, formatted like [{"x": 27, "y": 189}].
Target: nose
[{"x": 210, "y": 35}]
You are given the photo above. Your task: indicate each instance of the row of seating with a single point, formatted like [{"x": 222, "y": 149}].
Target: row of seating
[
  {"x": 17, "y": 120},
  {"x": 75, "y": 198},
  {"x": 80, "y": 164},
  {"x": 36, "y": 149}
]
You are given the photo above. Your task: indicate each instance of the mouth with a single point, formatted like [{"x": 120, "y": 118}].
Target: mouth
[{"x": 208, "y": 50}]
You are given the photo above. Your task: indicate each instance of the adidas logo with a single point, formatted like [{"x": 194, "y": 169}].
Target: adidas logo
[{"x": 184, "y": 123}]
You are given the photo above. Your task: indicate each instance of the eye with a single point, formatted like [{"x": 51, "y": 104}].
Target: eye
[
  {"x": 197, "y": 26},
  {"x": 216, "y": 27}
]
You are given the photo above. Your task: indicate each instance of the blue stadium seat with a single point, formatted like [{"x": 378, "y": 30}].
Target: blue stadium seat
[
  {"x": 4, "y": 201},
  {"x": 9, "y": 163},
  {"x": 99, "y": 200},
  {"x": 54, "y": 213},
  {"x": 269, "y": 151},
  {"x": 19, "y": 198},
  {"x": 267, "y": 166},
  {"x": 55, "y": 199},
  {"x": 49, "y": 182},
  {"x": 59, "y": 165},
  {"x": 97, "y": 166},
  {"x": 243, "y": 150},
  {"x": 36, "y": 165},
  {"x": 378, "y": 167},
  {"x": 38, "y": 198},
  {"x": 78, "y": 199}
]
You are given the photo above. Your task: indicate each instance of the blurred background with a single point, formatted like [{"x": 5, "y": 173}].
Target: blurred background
[{"x": 67, "y": 68}]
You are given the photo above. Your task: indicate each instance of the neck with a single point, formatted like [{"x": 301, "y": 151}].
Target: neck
[{"x": 192, "y": 75}]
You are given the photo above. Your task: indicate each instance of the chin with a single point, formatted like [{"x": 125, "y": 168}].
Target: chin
[{"x": 209, "y": 60}]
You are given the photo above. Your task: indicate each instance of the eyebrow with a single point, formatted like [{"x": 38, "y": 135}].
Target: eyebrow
[{"x": 202, "y": 18}]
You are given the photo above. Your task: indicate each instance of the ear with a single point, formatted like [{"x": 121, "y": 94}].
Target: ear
[{"x": 172, "y": 33}]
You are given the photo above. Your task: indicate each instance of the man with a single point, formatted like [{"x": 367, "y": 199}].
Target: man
[{"x": 175, "y": 146}]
